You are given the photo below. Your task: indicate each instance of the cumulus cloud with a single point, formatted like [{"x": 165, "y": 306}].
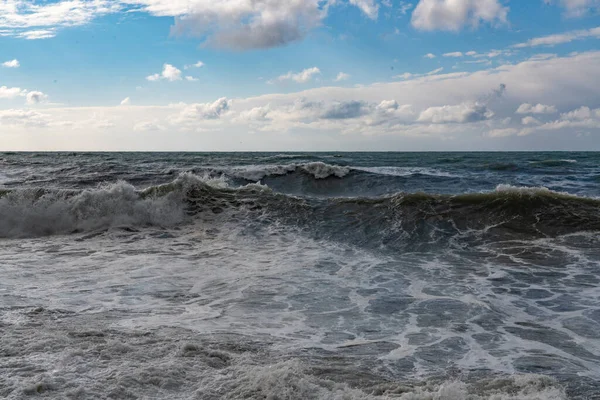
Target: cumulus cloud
[
  {"x": 204, "y": 111},
  {"x": 527, "y": 108},
  {"x": 453, "y": 15},
  {"x": 579, "y": 114},
  {"x": 191, "y": 79},
  {"x": 346, "y": 110},
  {"x": 582, "y": 118},
  {"x": 31, "y": 97},
  {"x": 530, "y": 121},
  {"x": 377, "y": 116},
  {"x": 455, "y": 54},
  {"x": 256, "y": 114},
  {"x": 169, "y": 73},
  {"x": 11, "y": 93},
  {"x": 11, "y": 64},
  {"x": 300, "y": 77},
  {"x": 561, "y": 38},
  {"x": 462, "y": 113},
  {"x": 429, "y": 55},
  {"x": 342, "y": 76},
  {"x": 35, "y": 97}
]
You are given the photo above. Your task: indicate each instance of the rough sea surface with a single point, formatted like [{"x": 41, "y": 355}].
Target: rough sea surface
[{"x": 300, "y": 276}]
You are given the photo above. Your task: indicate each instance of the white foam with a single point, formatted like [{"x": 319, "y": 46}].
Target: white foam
[
  {"x": 319, "y": 170},
  {"x": 30, "y": 212},
  {"x": 405, "y": 171}
]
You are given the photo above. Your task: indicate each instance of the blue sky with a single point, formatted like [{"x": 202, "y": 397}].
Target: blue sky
[{"x": 299, "y": 75}]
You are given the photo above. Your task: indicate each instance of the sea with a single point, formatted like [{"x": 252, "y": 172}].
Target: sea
[{"x": 280, "y": 276}]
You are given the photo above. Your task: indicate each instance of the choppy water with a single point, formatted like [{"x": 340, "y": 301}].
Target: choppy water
[{"x": 300, "y": 276}]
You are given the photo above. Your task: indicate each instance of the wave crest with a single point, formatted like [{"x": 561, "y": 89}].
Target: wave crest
[{"x": 319, "y": 170}]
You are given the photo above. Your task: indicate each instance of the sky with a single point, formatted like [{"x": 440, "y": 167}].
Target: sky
[{"x": 299, "y": 75}]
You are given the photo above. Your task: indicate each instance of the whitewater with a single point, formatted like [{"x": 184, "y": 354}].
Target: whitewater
[{"x": 300, "y": 276}]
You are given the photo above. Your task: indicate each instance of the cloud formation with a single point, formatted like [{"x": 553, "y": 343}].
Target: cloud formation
[
  {"x": 453, "y": 15},
  {"x": 576, "y": 8},
  {"x": 443, "y": 111},
  {"x": 561, "y": 38},
  {"x": 299, "y": 77},
  {"x": 527, "y": 108},
  {"x": 11, "y": 64},
  {"x": 39, "y": 20},
  {"x": 462, "y": 113},
  {"x": 35, "y": 97},
  {"x": 169, "y": 73},
  {"x": 342, "y": 76}
]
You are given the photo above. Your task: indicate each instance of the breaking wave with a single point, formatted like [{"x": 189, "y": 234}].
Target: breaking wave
[
  {"x": 508, "y": 211},
  {"x": 318, "y": 170}
]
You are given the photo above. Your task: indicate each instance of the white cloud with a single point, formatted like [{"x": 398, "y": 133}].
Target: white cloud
[
  {"x": 256, "y": 114},
  {"x": 300, "y": 77},
  {"x": 576, "y": 8},
  {"x": 11, "y": 64},
  {"x": 462, "y": 113},
  {"x": 369, "y": 7},
  {"x": 408, "y": 75},
  {"x": 342, "y": 76},
  {"x": 199, "y": 64},
  {"x": 169, "y": 73},
  {"x": 429, "y": 55},
  {"x": 376, "y": 117},
  {"x": 583, "y": 118},
  {"x": 502, "y": 132},
  {"x": 11, "y": 93},
  {"x": 148, "y": 126},
  {"x": 37, "y": 34},
  {"x": 561, "y": 38},
  {"x": 530, "y": 121},
  {"x": 435, "y": 71},
  {"x": 204, "y": 111},
  {"x": 247, "y": 24},
  {"x": 39, "y": 20},
  {"x": 22, "y": 118},
  {"x": 191, "y": 79},
  {"x": 453, "y": 15},
  {"x": 126, "y": 101},
  {"x": 579, "y": 114},
  {"x": 527, "y": 108},
  {"x": 35, "y": 97},
  {"x": 31, "y": 97},
  {"x": 455, "y": 54}
]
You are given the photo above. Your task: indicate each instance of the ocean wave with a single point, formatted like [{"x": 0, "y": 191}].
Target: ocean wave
[
  {"x": 318, "y": 170},
  {"x": 405, "y": 171},
  {"x": 43, "y": 212},
  {"x": 509, "y": 209},
  {"x": 501, "y": 167},
  {"x": 291, "y": 380},
  {"x": 553, "y": 163}
]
